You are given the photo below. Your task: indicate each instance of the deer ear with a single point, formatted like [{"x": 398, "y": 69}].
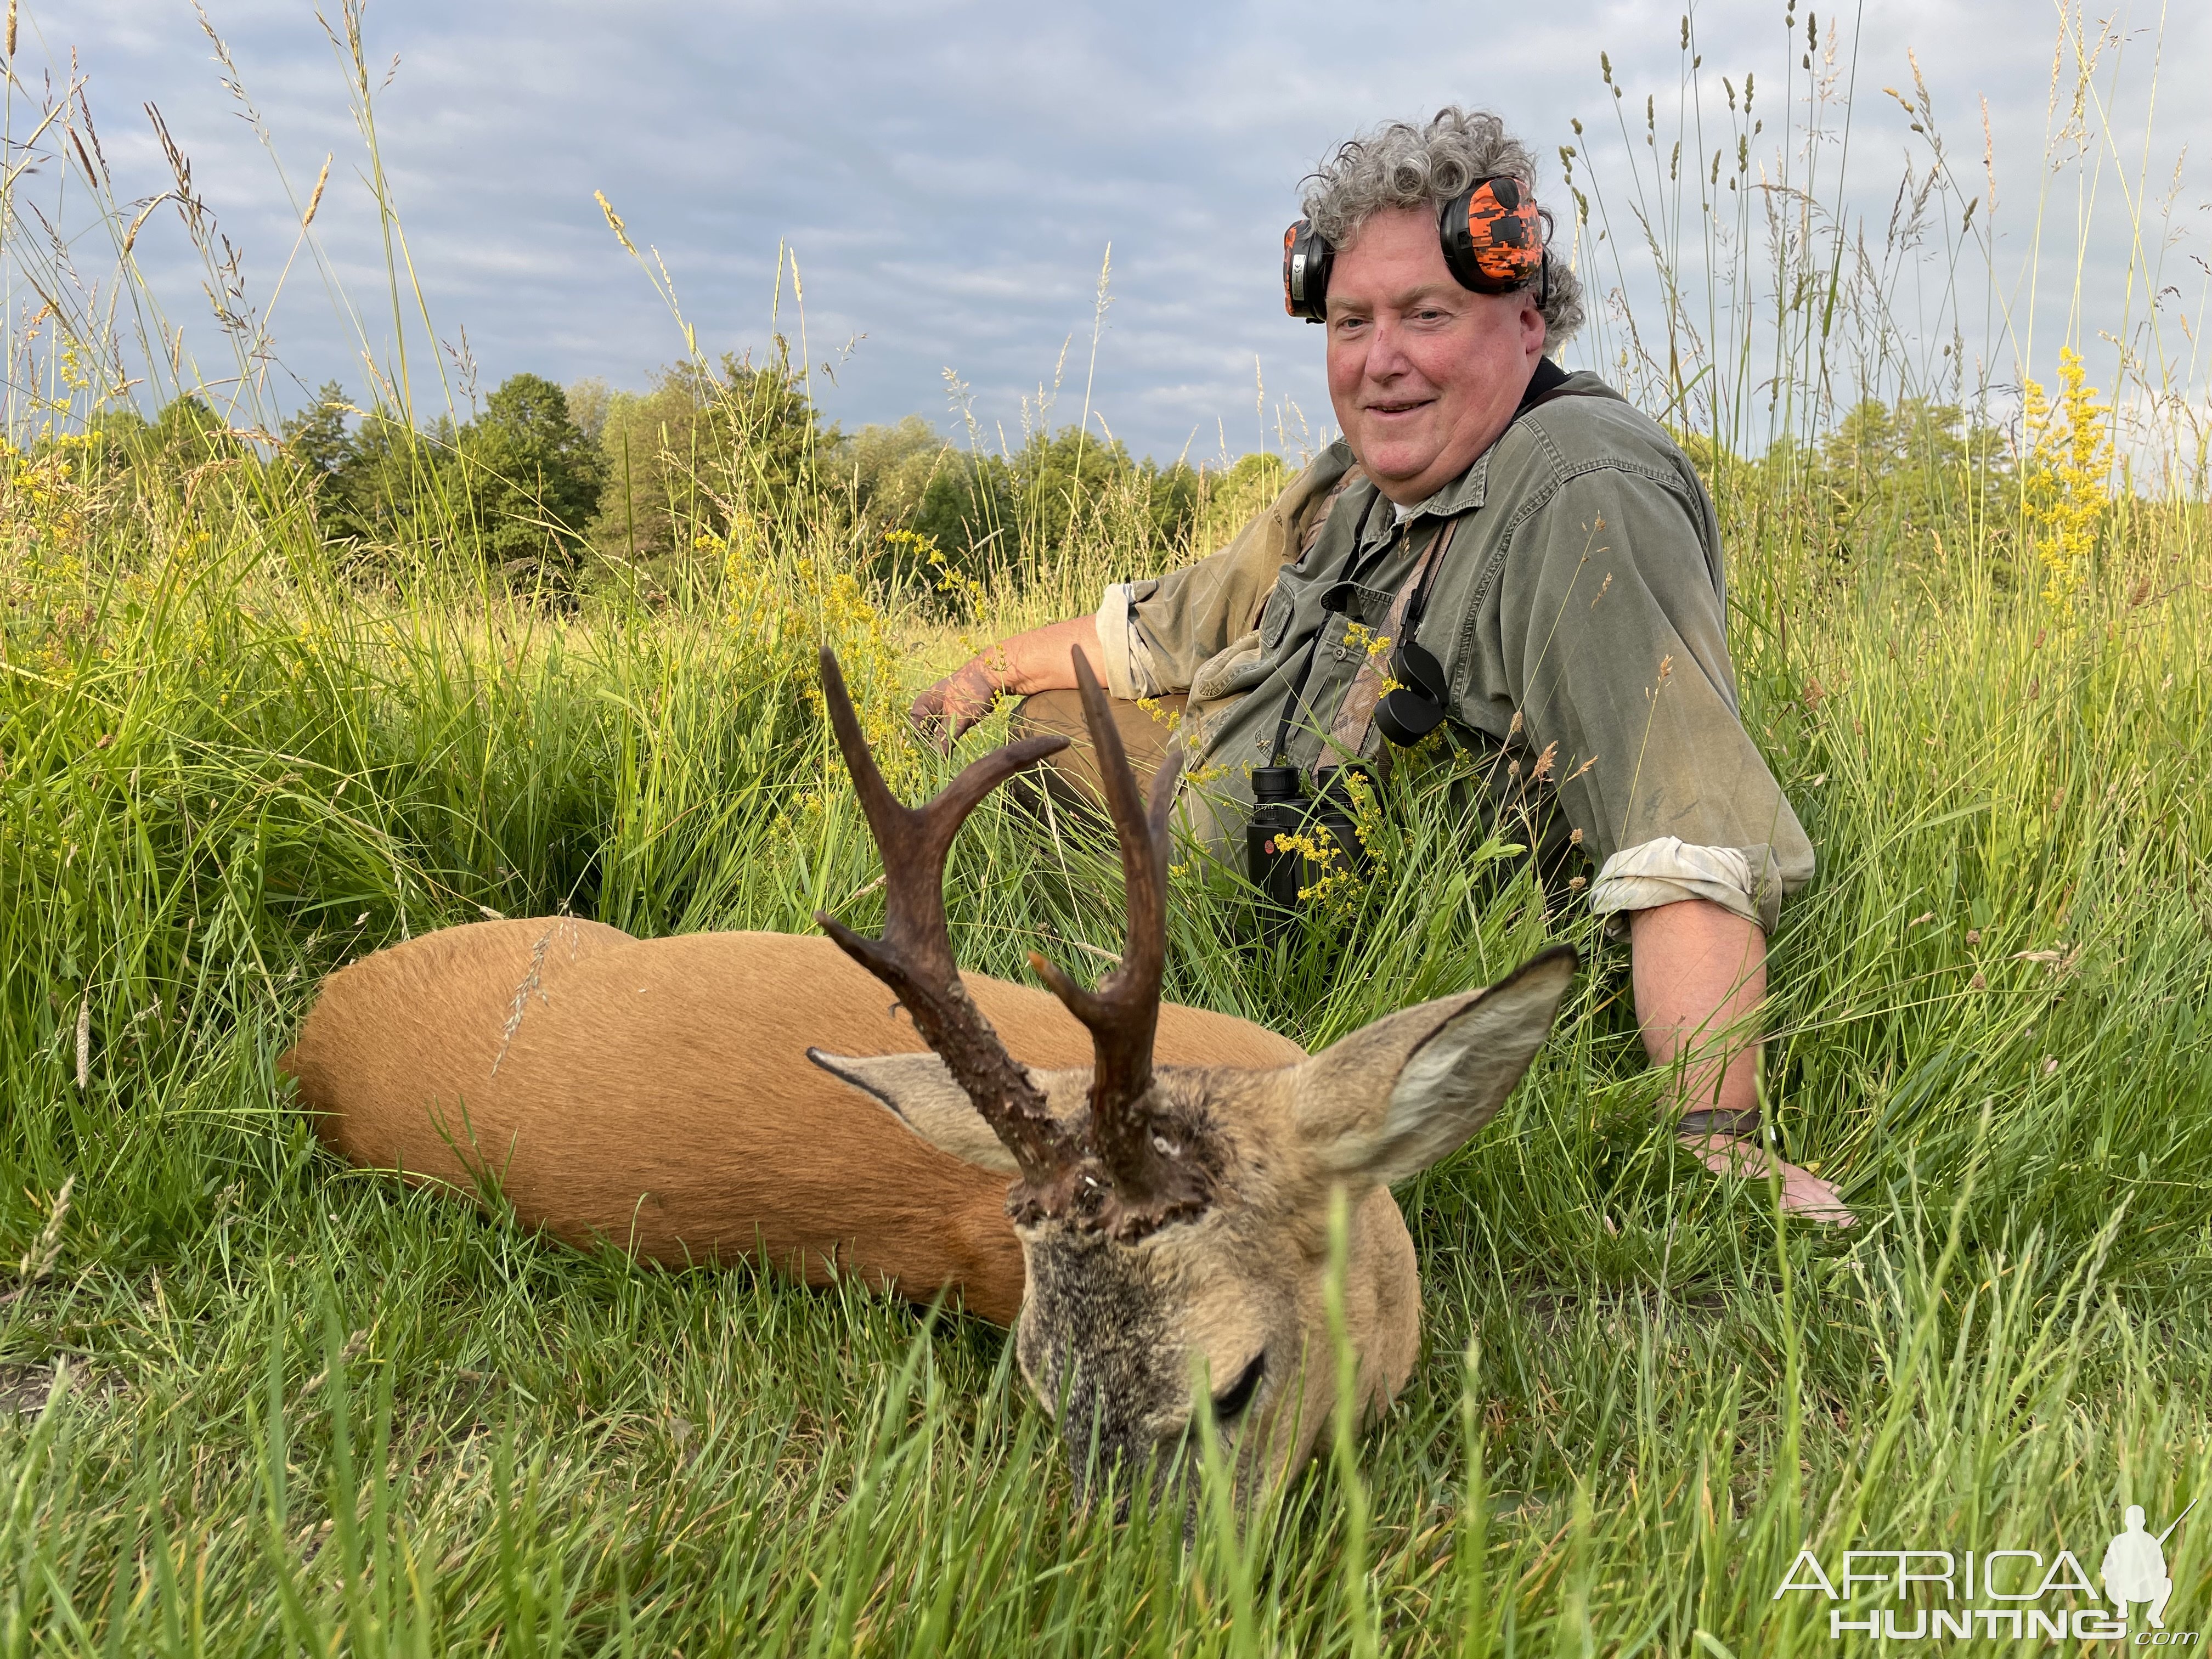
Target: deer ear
[
  {"x": 1392, "y": 1097},
  {"x": 921, "y": 1094}
]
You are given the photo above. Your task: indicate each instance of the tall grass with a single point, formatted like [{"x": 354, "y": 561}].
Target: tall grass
[{"x": 267, "y": 1404}]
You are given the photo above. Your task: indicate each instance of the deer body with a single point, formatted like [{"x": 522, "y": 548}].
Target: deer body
[
  {"x": 656, "y": 1094},
  {"x": 1164, "y": 1246}
]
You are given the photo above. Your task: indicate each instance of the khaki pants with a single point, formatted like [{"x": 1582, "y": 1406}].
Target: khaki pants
[{"x": 1071, "y": 777}]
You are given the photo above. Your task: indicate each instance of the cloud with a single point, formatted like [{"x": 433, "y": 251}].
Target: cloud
[{"x": 950, "y": 176}]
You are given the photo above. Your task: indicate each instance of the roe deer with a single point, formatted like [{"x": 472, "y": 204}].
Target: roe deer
[{"x": 1169, "y": 1222}]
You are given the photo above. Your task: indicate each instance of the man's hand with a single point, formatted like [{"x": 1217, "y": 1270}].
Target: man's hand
[
  {"x": 1039, "y": 660},
  {"x": 955, "y": 702},
  {"x": 1701, "y": 973},
  {"x": 1803, "y": 1192}
]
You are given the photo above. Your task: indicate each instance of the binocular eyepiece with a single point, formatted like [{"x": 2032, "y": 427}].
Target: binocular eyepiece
[{"x": 1416, "y": 706}]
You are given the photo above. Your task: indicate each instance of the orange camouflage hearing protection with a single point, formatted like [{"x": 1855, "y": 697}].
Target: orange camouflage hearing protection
[
  {"x": 1307, "y": 257},
  {"x": 1492, "y": 233}
]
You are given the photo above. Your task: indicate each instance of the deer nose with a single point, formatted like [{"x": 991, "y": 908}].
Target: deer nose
[{"x": 1110, "y": 1460}]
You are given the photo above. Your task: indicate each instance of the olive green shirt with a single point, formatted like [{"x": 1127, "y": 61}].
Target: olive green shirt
[{"x": 1578, "y": 614}]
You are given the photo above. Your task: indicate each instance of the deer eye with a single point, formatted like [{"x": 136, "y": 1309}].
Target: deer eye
[{"x": 1229, "y": 1404}]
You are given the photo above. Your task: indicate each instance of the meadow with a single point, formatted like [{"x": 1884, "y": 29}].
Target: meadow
[{"x": 251, "y": 1400}]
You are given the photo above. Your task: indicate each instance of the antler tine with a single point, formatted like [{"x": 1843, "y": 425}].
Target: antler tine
[
  {"x": 918, "y": 838},
  {"x": 1123, "y": 1012},
  {"x": 915, "y": 955}
]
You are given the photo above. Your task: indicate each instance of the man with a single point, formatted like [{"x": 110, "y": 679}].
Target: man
[
  {"x": 1546, "y": 545},
  {"x": 2134, "y": 1568}
]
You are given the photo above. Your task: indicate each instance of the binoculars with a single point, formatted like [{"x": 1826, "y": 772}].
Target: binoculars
[
  {"x": 1285, "y": 823},
  {"x": 1416, "y": 707}
]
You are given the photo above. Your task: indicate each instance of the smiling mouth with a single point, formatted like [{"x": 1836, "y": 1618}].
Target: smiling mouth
[{"x": 1399, "y": 409}]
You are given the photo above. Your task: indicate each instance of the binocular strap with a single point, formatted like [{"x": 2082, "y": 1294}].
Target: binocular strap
[{"x": 1355, "y": 716}]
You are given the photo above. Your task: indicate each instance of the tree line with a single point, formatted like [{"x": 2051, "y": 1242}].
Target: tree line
[
  {"x": 558, "y": 489},
  {"x": 561, "y": 488}
]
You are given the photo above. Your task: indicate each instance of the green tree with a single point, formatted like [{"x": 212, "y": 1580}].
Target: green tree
[
  {"x": 123, "y": 439},
  {"x": 775, "y": 431},
  {"x": 1173, "y": 497},
  {"x": 1074, "y": 484},
  {"x": 314, "y": 438},
  {"x": 188, "y": 432},
  {"x": 532, "y": 480},
  {"x": 395, "y": 488},
  {"x": 587, "y": 404},
  {"x": 1230, "y": 498},
  {"x": 322, "y": 457},
  {"x": 984, "y": 511},
  {"x": 886, "y": 470},
  {"x": 700, "y": 446},
  {"x": 1908, "y": 473},
  {"x": 967, "y": 508},
  {"x": 382, "y": 484},
  {"x": 1058, "y": 478}
]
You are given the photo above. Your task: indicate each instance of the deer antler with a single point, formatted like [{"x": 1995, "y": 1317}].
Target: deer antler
[
  {"x": 915, "y": 955},
  {"x": 1155, "y": 1167}
]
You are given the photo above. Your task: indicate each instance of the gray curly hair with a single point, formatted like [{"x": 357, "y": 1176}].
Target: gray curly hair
[{"x": 1404, "y": 166}]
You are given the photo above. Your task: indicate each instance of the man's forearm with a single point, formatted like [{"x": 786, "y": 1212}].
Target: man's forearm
[
  {"x": 1039, "y": 659},
  {"x": 1699, "y": 971}
]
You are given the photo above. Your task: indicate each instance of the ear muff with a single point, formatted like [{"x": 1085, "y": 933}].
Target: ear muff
[
  {"x": 1493, "y": 237},
  {"x": 1306, "y": 260},
  {"x": 1492, "y": 233}
]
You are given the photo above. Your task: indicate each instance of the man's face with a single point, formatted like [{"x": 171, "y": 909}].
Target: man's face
[{"x": 1424, "y": 375}]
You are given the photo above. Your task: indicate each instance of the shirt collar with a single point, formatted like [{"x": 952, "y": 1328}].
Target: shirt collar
[{"x": 1462, "y": 495}]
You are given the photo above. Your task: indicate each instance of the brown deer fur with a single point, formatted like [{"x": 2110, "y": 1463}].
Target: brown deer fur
[{"x": 656, "y": 1093}]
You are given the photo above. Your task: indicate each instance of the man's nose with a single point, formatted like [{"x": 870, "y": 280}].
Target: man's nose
[{"x": 1386, "y": 355}]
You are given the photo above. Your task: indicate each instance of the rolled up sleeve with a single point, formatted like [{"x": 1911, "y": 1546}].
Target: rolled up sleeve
[
  {"x": 1614, "y": 635},
  {"x": 1667, "y": 871},
  {"x": 1130, "y": 672}
]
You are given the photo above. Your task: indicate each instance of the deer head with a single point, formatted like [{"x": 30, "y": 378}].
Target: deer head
[{"x": 1174, "y": 1221}]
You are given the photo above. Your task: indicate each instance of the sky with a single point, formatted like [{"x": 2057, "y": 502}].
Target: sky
[{"x": 948, "y": 178}]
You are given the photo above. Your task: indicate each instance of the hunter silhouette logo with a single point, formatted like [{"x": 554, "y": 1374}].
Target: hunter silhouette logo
[{"x": 2135, "y": 1567}]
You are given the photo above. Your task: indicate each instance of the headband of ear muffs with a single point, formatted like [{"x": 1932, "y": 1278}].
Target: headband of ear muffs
[{"x": 1493, "y": 234}]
